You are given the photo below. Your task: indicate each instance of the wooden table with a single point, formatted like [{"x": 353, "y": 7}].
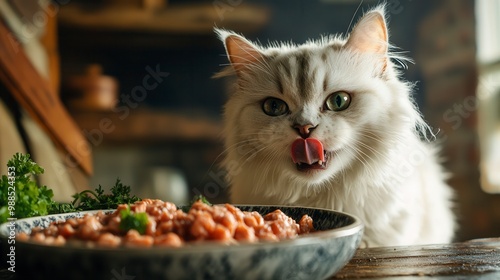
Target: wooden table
[{"x": 477, "y": 259}]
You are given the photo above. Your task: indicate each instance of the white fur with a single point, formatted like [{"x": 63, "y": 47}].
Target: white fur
[{"x": 379, "y": 170}]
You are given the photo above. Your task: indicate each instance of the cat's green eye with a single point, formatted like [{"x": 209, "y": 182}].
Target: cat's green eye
[
  {"x": 274, "y": 107},
  {"x": 338, "y": 101}
]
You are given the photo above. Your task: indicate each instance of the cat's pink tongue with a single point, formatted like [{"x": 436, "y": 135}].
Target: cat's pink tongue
[{"x": 309, "y": 150}]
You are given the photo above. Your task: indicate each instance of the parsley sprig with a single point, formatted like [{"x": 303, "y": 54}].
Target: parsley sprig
[
  {"x": 97, "y": 199},
  {"x": 34, "y": 200},
  {"x": 29, "y": 198}
]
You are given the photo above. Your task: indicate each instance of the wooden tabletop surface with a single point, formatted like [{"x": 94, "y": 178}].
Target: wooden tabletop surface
[{"x": 477, "y": 259}]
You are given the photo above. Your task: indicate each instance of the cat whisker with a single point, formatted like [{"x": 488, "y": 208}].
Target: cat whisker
[
  {"x": 376, "y": 152},
  {"x": 353, "y": 16},
  {"x": 363, "y": 158},
  {"x": 237, "y": 145},
  {"x": 265, "y": 162}
]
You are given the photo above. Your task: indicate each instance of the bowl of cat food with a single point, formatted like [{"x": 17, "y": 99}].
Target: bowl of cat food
[{"x": 153, "y": 239}]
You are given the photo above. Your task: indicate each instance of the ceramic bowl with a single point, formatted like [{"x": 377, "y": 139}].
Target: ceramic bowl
[{"x": 314, "y": 256}]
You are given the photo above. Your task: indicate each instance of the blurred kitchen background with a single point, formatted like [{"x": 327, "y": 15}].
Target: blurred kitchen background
[{"x": 134, "y": 79}]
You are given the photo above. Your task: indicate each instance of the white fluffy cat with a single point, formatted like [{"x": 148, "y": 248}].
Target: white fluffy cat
[{"x": 330, "y": 124}]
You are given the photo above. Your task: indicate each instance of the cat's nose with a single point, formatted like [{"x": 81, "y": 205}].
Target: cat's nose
[{"x": 304, "y": 130}]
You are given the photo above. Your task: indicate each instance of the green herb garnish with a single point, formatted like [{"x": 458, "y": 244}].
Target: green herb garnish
[
  {"x": 137, "y": 221},
  {"x": 95, "y": 200},
  {"x": 22, "y": 197},
  {"x": 26, "y": 198},
  {"x": 199, "y": 197},
  {"x": 202, "y": 199}
]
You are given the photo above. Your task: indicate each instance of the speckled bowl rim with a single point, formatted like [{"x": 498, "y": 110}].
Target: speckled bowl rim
[{"x": 313, "y": 238}]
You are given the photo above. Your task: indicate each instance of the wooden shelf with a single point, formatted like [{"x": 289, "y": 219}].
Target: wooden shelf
[
  {"x": 117, "y": 25},
  {"x": 187, "y": 19},
  {"x": 146, "y": 126}
]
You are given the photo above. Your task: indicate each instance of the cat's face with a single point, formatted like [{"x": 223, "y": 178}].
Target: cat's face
[{"x": 311, "y": 112}]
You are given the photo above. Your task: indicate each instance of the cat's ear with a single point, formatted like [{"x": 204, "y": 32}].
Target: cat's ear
[
  {"x": 369, "y": 35},
  {"x": 241, "y": 52}
]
